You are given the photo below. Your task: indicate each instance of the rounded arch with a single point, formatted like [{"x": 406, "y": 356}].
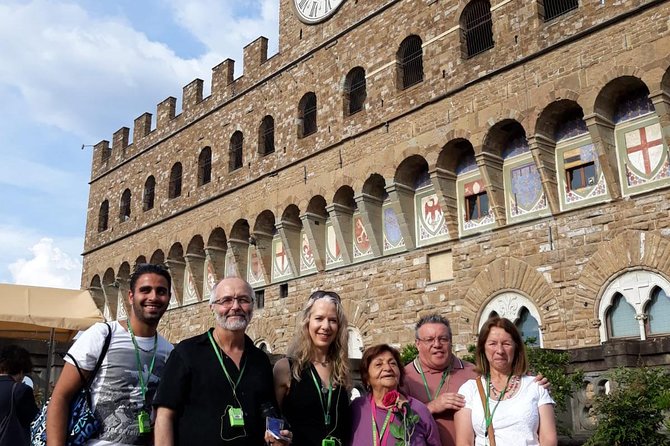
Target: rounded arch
[
  {"x": 412, "y": 171},
  {"x": 614, "y": 92},
  {"x": 511, "y": 305},
  {"x": 176, "y": 252},
  {"x": 236, "y": 151},
  {"x": 196, "y": 246},
  {"x": 205, "y": 166},
  {"x": 103, "y": 216},
  {"x": 665, "y": 81},
  {"x": 292, "y": 215},
  {"x": 317, "y": 206},
  {"x": 240, "y": 230},
  {"x": 307, "y": 109},
  {"x": 95, "y": 288},
  {"x": 217, "y": 238},
  {"x": 355, "y": 92},
  {"x": 125, "y": 205},
  {"x": 508, "y": 274},
  {"x": 555, "y": 115},
  {"x": 158, "y": 257},
  {"x": 501, "y": 134},
  {"x": 149, "y": 195},
  {"x": 455, "y": 153},
  {"x": 174, "y": 186},
  {"x": 635, "y": 287},
  {"x": 345, "y": 196},
  {"x": 265, "y": 222},
  {"x": 139, "y": 260},
  {"x": 627, "y": 251},
  {"x": 409, "y": 62},
  {"x": 124, "y": 271},
  {"x": 375, "y": 186}
]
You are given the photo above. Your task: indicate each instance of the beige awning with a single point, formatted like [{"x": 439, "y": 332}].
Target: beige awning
[{"x": 29, "y": 312}]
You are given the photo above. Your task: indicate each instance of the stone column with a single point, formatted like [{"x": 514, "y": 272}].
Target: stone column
[
  {"x": 491, "y": 170},
  {"x": 371, "y": 214},
  {"x": 289, "y": 232},
  {"x": 601, "y": 130},
  {"x": 402, "y": 202},
  {"x": 341, "y": 217},
  {"x": 444, "y": 183},
  {"x": 315, "y": 228},
  {"x": 543, "y": 150}
]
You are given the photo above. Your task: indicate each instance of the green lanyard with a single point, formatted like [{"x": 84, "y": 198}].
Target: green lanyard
[
  {"x": 218, "y": 355},
  {"x": 488, "y": 416},
  {"x": 143, "y": 384},
  {"x": 445, "y": 374},
  {"x": 326, "y": 409},
  {"x": 378, "y": 436}
]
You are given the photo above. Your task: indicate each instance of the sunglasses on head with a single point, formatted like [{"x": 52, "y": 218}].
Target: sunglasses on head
[{"x": 316, "y": 295}]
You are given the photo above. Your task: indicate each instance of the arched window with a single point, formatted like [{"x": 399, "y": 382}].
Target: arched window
[
  {"x": 621, "y": 322},
  {"x": 410, "y": 62},
  {"x": 550, "y": 9},
  {"x": 635, "y": 305},
  {"x": 124, "y": 206},
  {"x": 518, "y": 309},
  {"x": 658, "y": 315},
  {"x": 236, "y": 147},
  {"x": 307, "y": 115},
  {"x": 205, "y": 166},
  {"x": 477, "y": 28},
  {"x": 149, "y": 193},
  {"x": 103, "y": 216},
  {"x": 354, "y": 91},
  {"x": 266, "y": 136},
  {"x": 174, "y": 188},
  {"x": 528, "y": 327}
]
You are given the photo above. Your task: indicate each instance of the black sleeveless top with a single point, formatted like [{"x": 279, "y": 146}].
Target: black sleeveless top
[{"x": 303, "y": 411}]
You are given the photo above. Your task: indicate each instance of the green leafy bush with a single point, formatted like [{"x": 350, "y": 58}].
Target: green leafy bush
[
  {"x": 408, "y": 353},
  {"x": 632, "y": 413}
]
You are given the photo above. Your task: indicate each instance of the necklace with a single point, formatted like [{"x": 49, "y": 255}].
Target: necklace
[
  {"x": 510, "y": 389},
  {"x": 321, "y": 363}
]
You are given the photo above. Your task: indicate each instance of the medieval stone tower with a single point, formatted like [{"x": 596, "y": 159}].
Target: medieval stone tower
[{"x": 460, "y": 157}]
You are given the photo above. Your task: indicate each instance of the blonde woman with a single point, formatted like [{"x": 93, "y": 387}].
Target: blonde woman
[{"x": 312, "y": 384}]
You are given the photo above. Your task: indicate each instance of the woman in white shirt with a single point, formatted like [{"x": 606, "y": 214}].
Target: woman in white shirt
[{"x": 520, "y": 411}]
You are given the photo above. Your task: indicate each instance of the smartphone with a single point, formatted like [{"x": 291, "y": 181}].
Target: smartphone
[{"x": 274, "y": 426}]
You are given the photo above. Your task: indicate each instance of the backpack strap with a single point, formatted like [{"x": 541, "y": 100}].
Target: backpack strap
[{"x": 87, "y": 382}]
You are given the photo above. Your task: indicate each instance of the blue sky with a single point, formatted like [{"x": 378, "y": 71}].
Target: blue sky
[{"x": 72, "y": 73}]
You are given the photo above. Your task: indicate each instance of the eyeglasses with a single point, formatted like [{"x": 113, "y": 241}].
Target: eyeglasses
[
  {"x": 442, "y": 340},
  {"x": 320, "y": 294},
  {"x": 227, "y": 302}
]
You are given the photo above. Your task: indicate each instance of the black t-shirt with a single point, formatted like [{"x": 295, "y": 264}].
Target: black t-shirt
[
  {"x": 25, "y": 409},
  {"x": 303, "y": 410},
  {"x": 196, "y": 388}
]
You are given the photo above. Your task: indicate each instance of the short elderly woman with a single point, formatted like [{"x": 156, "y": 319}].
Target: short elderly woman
[
  {"x": 519, "y": 410},
  {"x": 385, "y": 417}
]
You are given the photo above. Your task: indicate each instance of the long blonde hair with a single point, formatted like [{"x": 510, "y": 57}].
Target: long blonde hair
[{"x": 302, "y": 350}]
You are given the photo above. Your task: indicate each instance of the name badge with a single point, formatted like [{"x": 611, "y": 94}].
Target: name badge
[
  {"x": 144, "y": 422},
  {"x": 236, "y": 416}
]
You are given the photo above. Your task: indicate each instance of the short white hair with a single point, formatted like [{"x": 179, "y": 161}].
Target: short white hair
[{"x": 212, "y": 292}]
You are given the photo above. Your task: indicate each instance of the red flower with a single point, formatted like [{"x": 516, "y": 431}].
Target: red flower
[{"x": 390, "y": 398}]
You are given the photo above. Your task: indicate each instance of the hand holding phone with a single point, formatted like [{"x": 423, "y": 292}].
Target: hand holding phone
[{"x": 274, "y": 426}]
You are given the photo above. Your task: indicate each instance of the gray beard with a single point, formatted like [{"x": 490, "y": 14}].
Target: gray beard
[{"x": 232, "y": 325}]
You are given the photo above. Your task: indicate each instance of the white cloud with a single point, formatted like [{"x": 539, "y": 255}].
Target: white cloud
[
  {"x": 49, "y": 266},
  {"x": 81, "y": 73},
  {"x": 225, "y": 29}
]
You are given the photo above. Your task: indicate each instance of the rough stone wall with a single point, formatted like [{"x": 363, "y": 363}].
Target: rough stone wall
[{"x": 459, "y": 98}]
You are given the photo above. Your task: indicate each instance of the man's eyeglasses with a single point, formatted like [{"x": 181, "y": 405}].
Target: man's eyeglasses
[
  {"x": 442, "y": 340},
  {"x": 227, "y": 302}
]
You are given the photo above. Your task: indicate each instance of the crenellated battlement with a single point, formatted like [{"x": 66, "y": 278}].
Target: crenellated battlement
[{"x": 223, "y": 87}]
